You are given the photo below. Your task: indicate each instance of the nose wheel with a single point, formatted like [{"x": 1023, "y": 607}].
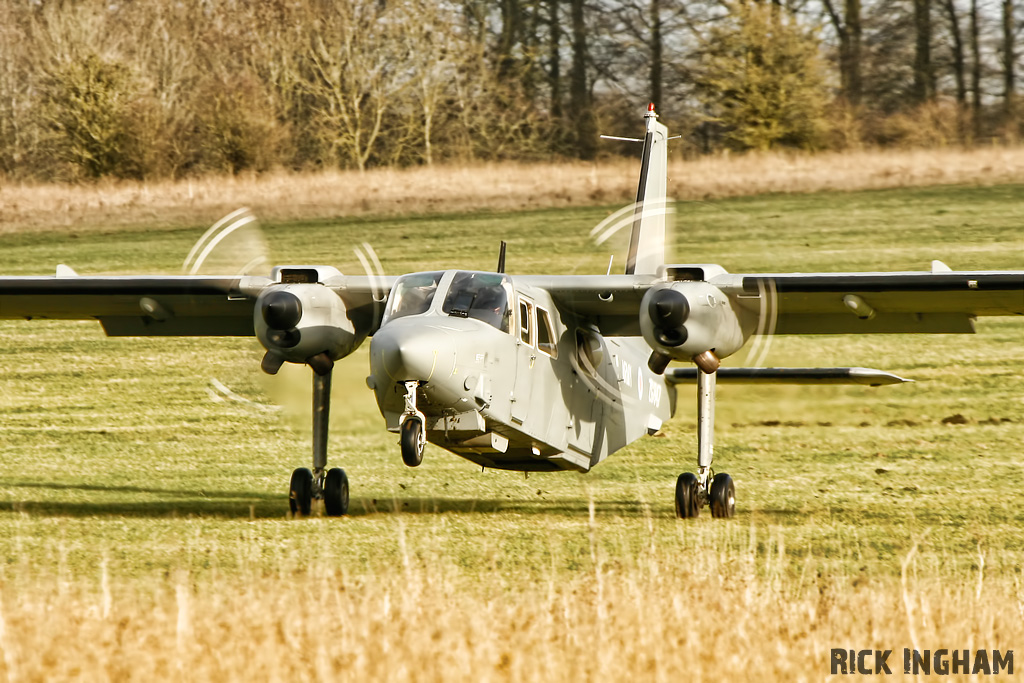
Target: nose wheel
[
  {"x": 411, "y": 442},
  {"x": 411, "y": 435}
]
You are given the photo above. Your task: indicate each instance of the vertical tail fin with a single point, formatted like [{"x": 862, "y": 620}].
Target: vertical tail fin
[{"x": 647, "y": 241}]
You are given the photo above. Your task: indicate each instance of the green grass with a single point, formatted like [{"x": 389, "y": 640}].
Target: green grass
[{"x": 113, "y": 455}]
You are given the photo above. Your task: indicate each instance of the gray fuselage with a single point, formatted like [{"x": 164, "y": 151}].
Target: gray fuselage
[{"x": 506, "y": 379}]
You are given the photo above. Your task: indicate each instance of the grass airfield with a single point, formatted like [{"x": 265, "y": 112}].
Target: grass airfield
[{"x": 143, "y": 525}]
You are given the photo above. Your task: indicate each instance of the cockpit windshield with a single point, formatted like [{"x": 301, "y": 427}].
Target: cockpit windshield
[
  {"x": 483, "y": 296},
  {"x": 413, "y": 294}
]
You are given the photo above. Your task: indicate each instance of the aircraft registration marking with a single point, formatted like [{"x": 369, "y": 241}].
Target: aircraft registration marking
[
  {"x": 654, "y": 389},
  {"x": 626, "y": 373},
  {"x": 654, "y": 394}
]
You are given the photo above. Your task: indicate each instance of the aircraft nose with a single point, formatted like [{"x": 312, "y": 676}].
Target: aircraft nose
[{"x": 404, "y": 353}]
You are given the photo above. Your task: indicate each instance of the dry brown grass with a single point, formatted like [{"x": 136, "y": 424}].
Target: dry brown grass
[
  {"x": 712, "y": 618},
  {"x": 509, "y": 186}
]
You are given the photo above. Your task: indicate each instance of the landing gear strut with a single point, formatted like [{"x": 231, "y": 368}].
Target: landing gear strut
[
  {"x": 411, "y": 428},
  {"x": 330, "y": 486},
  {"x": 694, "y": 491}
]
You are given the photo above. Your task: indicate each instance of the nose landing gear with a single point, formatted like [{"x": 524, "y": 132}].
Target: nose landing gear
[{"x": 412, "y": 434}]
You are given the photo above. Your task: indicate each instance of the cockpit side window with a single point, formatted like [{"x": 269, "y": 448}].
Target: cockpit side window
[
  {"x": 483, "y": 296},
  {"x": 412, "y": 294}
]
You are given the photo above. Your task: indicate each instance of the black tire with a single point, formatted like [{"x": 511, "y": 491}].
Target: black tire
[
  {"x": 336, "y": 493},
  {"x": 300, "y": 493},
  {"x": 687, "y": 500},
  {"x": 412, "y": 450},
  {"x": 723, "y": 496}
]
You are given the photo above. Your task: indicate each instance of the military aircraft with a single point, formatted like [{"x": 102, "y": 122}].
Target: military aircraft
[{"x": 531, "y": 373}]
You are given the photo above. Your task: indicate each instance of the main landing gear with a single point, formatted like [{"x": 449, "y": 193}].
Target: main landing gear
[
  {"x": 694, "y": 491},
  {"x": 330, "y": 486}
]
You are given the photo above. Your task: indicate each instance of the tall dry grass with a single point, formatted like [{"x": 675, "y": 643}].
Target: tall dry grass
[
  {"x": 701, "y": 618},
  {"x": 507, "y": 186}
]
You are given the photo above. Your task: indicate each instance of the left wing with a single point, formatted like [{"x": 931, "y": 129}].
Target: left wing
[
  {"x": 170, "y": 305},
  {"x": 144, "y": 306}
]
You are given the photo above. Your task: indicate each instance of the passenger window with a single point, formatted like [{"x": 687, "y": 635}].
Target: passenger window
[
  {"x": 546, "y": 334},
  {"x": 526, "y": 321}
]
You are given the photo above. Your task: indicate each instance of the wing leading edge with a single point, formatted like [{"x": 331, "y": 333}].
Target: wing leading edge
[
  {"x": 166, "y": 305},
  {"x": 814, "y": 303},
  {"x": 873, "y": 303},
  {"x": 138, "y": 306}
]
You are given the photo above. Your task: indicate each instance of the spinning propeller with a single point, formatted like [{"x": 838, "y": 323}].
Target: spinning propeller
[
  {"x": 668, "y": 309},
  {"x": 298, "y": 319}
]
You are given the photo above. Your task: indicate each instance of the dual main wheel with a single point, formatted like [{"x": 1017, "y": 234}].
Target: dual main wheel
[
  {"x": 335, "y": 493},
  {"x": 721, "y": 496}
]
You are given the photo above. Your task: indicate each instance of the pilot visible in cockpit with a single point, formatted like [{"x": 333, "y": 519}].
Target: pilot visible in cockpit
[{"x": 490, "y": 306}]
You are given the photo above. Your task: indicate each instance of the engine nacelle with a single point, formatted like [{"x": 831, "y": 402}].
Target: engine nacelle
[
  {"x": 686, "y": 320},
  {"x": 297, "y": 322}
]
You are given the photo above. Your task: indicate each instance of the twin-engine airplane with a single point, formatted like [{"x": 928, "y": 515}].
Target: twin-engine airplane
[{"x": 537, "y": 373}]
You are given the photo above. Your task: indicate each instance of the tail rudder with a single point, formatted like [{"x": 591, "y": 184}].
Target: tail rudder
[{"x": 647, "y": 241}]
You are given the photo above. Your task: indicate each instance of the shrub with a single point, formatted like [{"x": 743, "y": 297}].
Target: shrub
[
  {"x": 762, "y": 79},
  {"x": 85, "y": 109},
  {"x": 235, "y": 127}
]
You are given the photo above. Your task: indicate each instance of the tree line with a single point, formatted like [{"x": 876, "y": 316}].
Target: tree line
[{"x": 172, "y": 88}]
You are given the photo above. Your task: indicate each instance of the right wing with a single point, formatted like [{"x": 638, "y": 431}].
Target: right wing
[{"x": 867, "y": 303}]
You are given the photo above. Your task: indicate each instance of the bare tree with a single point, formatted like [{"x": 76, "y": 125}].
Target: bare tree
[
  {"x": 437, "y": 50},
  {"x": 959, "y": 60},
  {"x": 924, "y": 75},
  {"x": 645, "y": 49},
  {"x": 975, "y": 70},
  {"x": 555, "y": 58},
  {"x": 355, "y": 71},
  {"x": 579, "y": 86},
  {"x": 15, "y": 98},
  {"x": 848, "y": 28},
  {"x": 1009, "y": 58}
]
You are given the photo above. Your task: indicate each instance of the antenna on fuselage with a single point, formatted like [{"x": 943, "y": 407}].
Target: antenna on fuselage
[{"x": 501, "y": 258}]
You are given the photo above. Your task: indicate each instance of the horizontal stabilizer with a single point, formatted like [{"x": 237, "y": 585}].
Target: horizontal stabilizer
[{"x": 867, "y": 376}]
